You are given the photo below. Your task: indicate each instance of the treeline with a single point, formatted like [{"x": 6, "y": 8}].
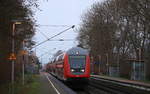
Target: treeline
[
  {"x": 10, "y": 12},
  {"x": 118, "y": 30}
]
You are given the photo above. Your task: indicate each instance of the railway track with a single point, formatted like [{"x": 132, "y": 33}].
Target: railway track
[
  {"x": 107, "y": 86},
  {"x": 97, "y": 89},
  {"x": 117, "y": 87},
  {"x": 98, "y": 85},
  {"x": 90, "y": 89}
]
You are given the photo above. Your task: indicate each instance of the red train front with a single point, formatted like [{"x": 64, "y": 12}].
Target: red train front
[{"x": 72, "y": 65}]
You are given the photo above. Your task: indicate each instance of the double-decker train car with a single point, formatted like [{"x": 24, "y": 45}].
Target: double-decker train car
[{"x": 71, "y": 65}]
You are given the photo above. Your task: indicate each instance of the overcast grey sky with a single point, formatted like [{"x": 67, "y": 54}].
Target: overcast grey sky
[{"x": 58, "y": 12}]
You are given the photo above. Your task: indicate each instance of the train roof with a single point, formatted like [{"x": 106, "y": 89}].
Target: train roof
[{"x": 77, "y": 50}]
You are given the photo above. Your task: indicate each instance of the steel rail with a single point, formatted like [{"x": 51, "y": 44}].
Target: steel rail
[{"x": 126, "y": 87}]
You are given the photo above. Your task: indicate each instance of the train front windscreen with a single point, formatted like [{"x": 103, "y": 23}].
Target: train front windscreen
[{"x": 77, "y": 64}]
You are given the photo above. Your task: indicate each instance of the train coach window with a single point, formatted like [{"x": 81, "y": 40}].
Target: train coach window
[
  {"x": 59, "y": 58},
  {"x": 54, "y": 60},
  {"x": 77, "y": 61}
]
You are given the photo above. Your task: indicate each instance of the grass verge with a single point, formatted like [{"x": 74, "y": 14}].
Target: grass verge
[{"x": 31, "y": 86}]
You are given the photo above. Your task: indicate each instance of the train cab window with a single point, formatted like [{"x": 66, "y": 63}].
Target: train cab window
[{"x": 77, "y": 61}]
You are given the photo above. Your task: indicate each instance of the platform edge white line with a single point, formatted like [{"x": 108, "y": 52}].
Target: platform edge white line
[{"x": 52, "y": 84}]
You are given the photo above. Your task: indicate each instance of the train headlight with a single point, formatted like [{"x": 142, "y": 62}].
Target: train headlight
[
  {"x": 72, "y": 70},
  {"x": 82, "y": 70}
]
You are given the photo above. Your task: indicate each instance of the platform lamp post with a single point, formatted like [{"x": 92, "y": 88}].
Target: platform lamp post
[
  {"x": 92, "y": 64},
  {"x": 99, "y": 57},
  {"x": 13, "y": 56},
  {"x": 142, "y": 64},
  {"x": 23, "y": 52},
  {"x": 140, "y": 68},
  {"x": 107, "y": 64}
]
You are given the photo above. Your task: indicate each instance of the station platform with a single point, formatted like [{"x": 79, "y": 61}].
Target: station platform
[{"x": 50, "y": 85}]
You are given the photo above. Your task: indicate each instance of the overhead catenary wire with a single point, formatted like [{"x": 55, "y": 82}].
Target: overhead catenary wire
[
  {"x": 56, "y": 39},
  {"x": 53, "y": 25},
  {"x": 46, "y": 53},
  {"x": 43, "y": 34},
  {"x": 63, "y": 40},
  {"x": 53, "y": 36}
]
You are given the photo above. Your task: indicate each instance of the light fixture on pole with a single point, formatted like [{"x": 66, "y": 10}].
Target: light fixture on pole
[{"x": 13, "y": 54}]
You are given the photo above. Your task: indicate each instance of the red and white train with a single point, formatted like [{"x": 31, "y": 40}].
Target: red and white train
[{"x": 71, "y": 65}]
